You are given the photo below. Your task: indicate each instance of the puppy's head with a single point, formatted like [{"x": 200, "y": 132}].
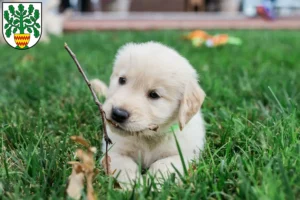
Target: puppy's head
[{"x": 151, "y": 85}]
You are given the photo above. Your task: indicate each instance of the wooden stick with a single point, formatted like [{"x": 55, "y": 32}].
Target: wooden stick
[{"x": 102, "y": 113}]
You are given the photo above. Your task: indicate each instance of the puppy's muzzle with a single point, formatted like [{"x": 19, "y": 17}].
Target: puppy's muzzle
[{"x": 119, "y": 115}]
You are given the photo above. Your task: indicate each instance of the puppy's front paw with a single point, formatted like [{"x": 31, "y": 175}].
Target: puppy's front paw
[
  {"x": 162, "y": 169},
  {"x": 125, "y": 170},
  {"x": 127, "y": 178},
  {"x": 99, "y": 87}
]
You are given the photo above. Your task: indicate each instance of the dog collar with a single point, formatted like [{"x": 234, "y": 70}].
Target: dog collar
[{"x": 174, "y": 127}]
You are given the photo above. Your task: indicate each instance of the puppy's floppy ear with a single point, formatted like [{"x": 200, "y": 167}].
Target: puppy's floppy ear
[{"x": 190, "y": 103}]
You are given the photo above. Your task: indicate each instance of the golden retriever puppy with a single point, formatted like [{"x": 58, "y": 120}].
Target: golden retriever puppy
[{"x": 152, "y": 86}]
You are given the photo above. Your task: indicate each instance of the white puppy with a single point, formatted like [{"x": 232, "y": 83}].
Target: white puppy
[{"x": 152, "y": 85}]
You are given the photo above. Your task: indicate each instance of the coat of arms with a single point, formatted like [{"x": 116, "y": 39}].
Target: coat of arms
[{"x": 22, "y": 24}]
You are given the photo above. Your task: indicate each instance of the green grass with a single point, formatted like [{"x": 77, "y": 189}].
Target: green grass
[{"x": 251, "y": 110}]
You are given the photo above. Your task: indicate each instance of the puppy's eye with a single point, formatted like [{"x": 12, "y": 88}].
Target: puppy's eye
[
  {"x": 153, "y": 95},
  {"x": 122, "y": 80}
]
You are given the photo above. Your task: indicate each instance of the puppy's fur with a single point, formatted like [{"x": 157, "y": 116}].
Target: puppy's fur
[{"x": 153, "y": 67}]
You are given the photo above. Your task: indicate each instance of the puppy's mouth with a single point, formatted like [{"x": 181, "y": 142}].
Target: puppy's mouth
[{"x": 123, "y": 129}]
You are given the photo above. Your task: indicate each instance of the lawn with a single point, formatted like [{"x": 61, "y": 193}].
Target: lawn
[{"x": 252, "y": 114}]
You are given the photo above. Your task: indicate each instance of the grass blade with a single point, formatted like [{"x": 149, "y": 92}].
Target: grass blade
[{"x": 181, "y": 156}]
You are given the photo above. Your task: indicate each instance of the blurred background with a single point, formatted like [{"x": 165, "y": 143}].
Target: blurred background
[
  {"x": 284, "y": 7},
  {"x": 75, "y": 15},
  {"x": 181, "y": 14}
]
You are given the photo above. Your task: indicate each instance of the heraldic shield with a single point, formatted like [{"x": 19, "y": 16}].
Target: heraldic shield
[{"x": 22, "y": 24}]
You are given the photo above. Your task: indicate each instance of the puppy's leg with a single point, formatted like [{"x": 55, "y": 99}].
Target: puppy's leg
[
  {"x": 126, "y": 170},
  {"x": 162, "y": 168},
  {"x": 99, "y": 87}
]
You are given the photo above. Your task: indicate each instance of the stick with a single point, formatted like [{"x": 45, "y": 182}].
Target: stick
[{"x": 102, "y": 113}]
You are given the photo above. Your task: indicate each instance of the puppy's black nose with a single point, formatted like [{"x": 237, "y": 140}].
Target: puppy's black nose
[{"x": 119, "y": 115}]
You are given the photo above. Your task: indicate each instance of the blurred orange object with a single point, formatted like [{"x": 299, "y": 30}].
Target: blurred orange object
[
  {"x": 198, "y": 34},
  {"x": 200, "y": 38},
  {"x": 217, "y": 40}
]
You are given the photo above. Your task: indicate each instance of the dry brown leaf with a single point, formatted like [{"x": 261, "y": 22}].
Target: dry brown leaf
[
  {"x": 80, "y": 140},
  {"x": 90, "y": 189},
  {"x": 83, "y": 170},
  {"x": 76, "y": 182}
]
